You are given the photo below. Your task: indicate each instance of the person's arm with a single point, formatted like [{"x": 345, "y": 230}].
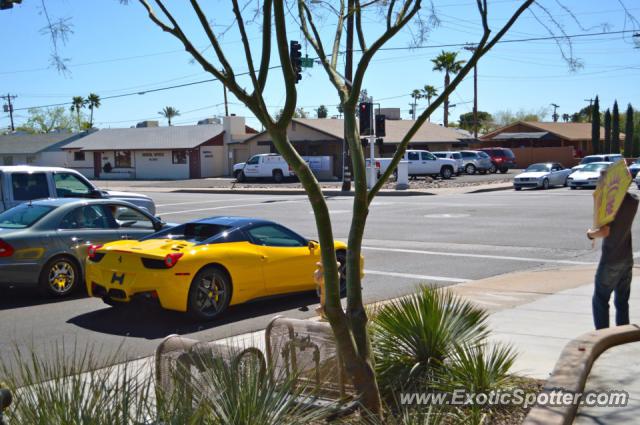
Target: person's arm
[{"x": 602, "y": 232}]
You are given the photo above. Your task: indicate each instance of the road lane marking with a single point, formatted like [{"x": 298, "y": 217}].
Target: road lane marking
[
  {"x": 490, "y": 257},
  {"x": 208, "y": 202},
  {"x": 416, "y": 276},
  {"x": 222, "y": 208}
]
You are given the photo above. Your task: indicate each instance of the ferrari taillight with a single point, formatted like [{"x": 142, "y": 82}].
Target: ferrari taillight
[
  {"x": 172, "y": 259},
  {"x": 6, "y": 250},
  {"x": 93, "y": 251}
]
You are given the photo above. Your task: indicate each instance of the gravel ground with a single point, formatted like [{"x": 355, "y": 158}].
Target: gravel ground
[{"x": 229, "y": 183}]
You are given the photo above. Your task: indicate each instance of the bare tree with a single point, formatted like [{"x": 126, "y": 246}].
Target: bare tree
[{"x": 350, "y": 327}]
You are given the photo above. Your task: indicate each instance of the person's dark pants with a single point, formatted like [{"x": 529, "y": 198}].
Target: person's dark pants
[{"x": 616, "y": 279}]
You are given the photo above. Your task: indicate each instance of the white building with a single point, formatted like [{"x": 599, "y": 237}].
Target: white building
[
  {"x": 35, "y": 149},
  {"x": 149, "y": 152}
]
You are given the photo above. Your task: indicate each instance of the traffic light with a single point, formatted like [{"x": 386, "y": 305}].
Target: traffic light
[
  {"x": 296, "y": 58},
  {"x": 380, "y": 125},
  {"x": 365, "y": 110}
]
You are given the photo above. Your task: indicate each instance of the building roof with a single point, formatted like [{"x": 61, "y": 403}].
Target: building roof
[
  {"x": 572, "y": 131},
  {"x": 522, "y": 135},
  {"x": 25, "y": 143},
  {"x": 156, "y": 138},
  {"x": 395, "y": 129}
]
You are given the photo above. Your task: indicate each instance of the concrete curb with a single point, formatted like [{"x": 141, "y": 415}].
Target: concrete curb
[
  {"x": 572, "y": 369},
  {"x": 492, "y": 189},
  {"x": 297, "y": 192}
]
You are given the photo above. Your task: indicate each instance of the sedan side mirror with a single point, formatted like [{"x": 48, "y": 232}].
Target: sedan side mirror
[{"x": 158, "y": 225}]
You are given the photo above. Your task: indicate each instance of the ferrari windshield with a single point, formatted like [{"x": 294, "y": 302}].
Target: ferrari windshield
[
  {"x": 538, "y": 167},
  {"x": 23, "y": 216},
  {"x": 595, "y": 167},
  {"x": 190, "y": 232}
]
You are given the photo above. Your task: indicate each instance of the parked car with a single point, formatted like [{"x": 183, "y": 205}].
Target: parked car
[
  {"x": 588, "y": 175},
  {"x": 634, "y": 168},
  {"x": 542, "y": 175},
  {"x": 44, "y": 243},
  {"x": 476, "y": 161},
  {"x": 424, "y": 163},
  {"x": 637, "y": 180},
  {"x": 267, "y": 165},
  {"x": 597, "y": 158},
  {"x": 456, "y": 156},
  {"x": 22, "y": 183},
  {"x": 502, "y": 158},
  {"x": 203, "y": 266}
]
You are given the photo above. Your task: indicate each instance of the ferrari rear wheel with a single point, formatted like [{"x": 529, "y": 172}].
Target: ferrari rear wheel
[{"x": 209, "y": 294}]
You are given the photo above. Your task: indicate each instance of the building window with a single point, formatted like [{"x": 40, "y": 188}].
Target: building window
[
  {"x": 31, "y": 159},
  {"x": 123, "y": 159},
  {"x": 179, "y": 157},
  {"x": 7, "y": 160},
  {"x": 78, "y": 156}
]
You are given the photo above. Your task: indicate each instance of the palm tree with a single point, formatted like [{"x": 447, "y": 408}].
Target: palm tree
[
  {"x": 416, "y": 94},
  {"x": 446, "y": 62},
  {"x": 429, "y": 92},
  {"x": 169, "y": 112},
  {"x": 77, "y": 103},
  {"x": 93, "y": 100}
]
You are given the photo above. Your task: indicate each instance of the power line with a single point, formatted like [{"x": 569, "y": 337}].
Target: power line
[{"x": 209, "y": 80}]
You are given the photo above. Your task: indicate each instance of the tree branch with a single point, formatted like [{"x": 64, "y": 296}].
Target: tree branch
[
  {"x": 390, "y": 13},
  {"x": 483, "y": 47},
  {"x": 338, "y": 37},
  {"x": 358, "y": 14},
  {"x": 306, "y": 20},
  {"x": 245, "y": 43},
  {"x": 266, "y": 45},
  {"x": 287, "y": 67}
]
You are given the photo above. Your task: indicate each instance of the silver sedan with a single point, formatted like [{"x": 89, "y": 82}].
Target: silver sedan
[
  {"x": 542, "y": 175},
  {"x": 44, "y": 243}
]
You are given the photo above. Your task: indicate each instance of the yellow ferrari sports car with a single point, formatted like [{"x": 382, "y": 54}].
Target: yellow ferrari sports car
[{"x": 204, "y": 266}]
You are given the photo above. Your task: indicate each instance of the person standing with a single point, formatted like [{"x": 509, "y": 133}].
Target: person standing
[{"x": 614, "y": 271}]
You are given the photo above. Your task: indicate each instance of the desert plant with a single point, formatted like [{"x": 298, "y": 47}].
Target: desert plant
[
  {"x": 479, "y": 369},
  {"x": 415, "y": 335}
]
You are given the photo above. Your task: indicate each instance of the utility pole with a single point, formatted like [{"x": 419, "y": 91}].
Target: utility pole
[
  {"x": 9, "y": 108},
  {"x": 348, "y": 76},
  {"x": 475, "y": 93},
  {"x": 555, "y": 114},
  {"x": 226, "y": 105},
  {"x": 590, "y": 108}
]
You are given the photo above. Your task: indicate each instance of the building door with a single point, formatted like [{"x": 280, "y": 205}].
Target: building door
[
  {"x": 194, "y": 164},
  {"x": 97, "y": 162}
]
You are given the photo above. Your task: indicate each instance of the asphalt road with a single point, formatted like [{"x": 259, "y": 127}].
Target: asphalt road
[{"x": 440, "y": 239}]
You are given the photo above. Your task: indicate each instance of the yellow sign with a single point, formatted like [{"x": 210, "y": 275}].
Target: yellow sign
[{"x": 610, "y": 191}]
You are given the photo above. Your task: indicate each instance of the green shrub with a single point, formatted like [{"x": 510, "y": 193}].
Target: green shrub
[{"x": 414, "y": 336}]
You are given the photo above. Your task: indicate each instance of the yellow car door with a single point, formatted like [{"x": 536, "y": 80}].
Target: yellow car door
[{"x": 288, "y": 261}]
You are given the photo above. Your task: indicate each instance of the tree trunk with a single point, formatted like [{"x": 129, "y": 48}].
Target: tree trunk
[
  {"x": 446, "y": 100},
  {"x": 358, "y": 367}
]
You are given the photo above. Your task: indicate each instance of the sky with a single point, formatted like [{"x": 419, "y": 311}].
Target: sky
[{"x": 117, "y": 52}]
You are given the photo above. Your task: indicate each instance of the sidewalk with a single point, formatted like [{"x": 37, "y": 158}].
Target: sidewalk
[{"x": 538, "y": 312}]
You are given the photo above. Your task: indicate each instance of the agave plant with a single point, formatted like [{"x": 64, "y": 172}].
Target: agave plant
[
  {"x": 414, "y": 336},
  {"x": 480, "y": 369}
]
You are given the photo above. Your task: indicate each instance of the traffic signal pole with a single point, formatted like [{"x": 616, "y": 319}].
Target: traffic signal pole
[{"x": 9, "y": 108}]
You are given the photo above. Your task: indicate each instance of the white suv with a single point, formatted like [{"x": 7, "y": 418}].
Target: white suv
[
  {"x": 455, "y": 155},
  {"x": 611, "y": 157}
]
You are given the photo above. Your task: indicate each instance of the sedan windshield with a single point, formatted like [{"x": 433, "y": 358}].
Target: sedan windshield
[
  {"x": 23, "y": 216},
  {"x": 595, "y": 167},
  {"x": 538, "y": 167}
]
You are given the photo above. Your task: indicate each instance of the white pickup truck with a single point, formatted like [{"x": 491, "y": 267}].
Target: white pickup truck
[
  {"x": 23, "y": 183},
  {"x": 423, "y": 163},
  {"x": 266, "y": 165}
]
